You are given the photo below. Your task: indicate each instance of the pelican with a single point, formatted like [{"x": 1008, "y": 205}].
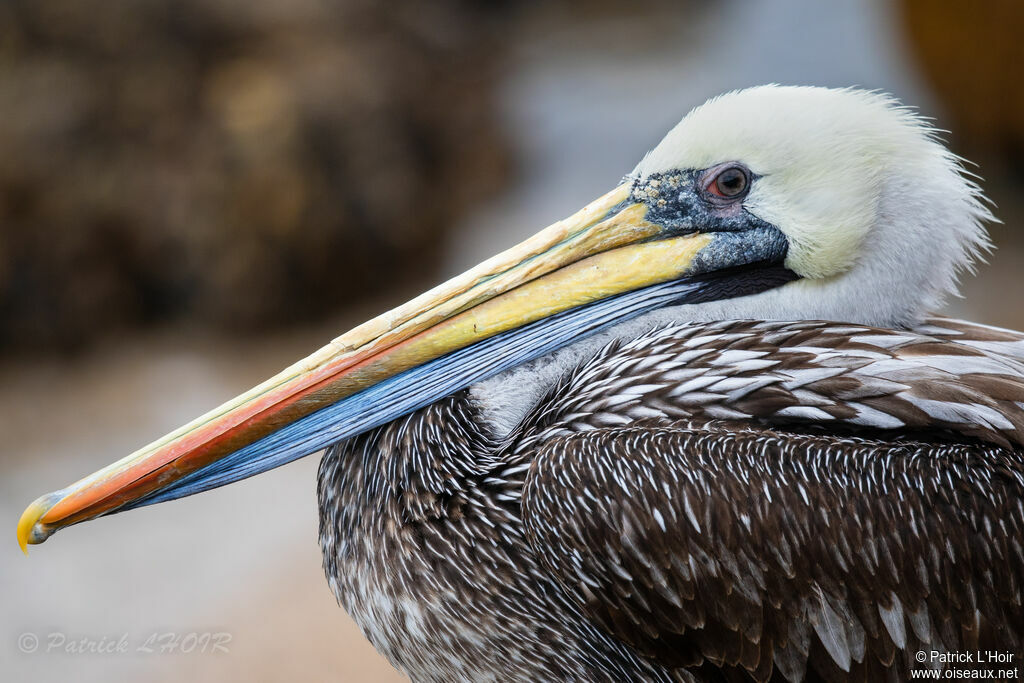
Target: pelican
[{"x": 704, "y": 429}]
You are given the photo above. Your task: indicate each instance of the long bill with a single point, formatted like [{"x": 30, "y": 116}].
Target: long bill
[{"x": 474, "y": 324}]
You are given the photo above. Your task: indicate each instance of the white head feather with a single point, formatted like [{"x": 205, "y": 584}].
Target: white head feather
[{"x": 881, "y": 218}]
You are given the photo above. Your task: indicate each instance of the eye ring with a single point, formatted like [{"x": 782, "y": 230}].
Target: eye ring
[{"x": 730, "y": 183}]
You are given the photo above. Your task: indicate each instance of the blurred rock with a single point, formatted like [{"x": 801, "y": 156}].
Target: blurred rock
[
  {"x": 240, "y": 164},
  {"x": 971, "y": 54}
]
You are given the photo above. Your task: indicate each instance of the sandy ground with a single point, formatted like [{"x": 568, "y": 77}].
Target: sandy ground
[{"x": 582, "y": 103}]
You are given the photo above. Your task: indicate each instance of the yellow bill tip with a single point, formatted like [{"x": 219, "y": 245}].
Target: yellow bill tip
[{"x": 30, "y": 530}]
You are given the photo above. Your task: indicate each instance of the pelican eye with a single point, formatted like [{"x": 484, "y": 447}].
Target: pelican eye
[{"x": 732, "y": 182}]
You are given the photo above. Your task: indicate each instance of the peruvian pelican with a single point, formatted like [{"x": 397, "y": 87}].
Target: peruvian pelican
[{"x": 700, "y": 430}]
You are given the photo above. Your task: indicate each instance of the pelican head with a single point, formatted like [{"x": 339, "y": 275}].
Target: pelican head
[
  {"x": 771, "y": 203},
  {"x": 879, "y": 217}
]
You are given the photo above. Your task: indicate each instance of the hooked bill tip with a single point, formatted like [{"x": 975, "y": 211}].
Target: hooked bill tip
[{"x": 30, "y": 530}]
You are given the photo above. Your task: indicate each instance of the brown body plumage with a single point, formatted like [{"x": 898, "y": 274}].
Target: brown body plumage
[{"x": 636, "y": 527}]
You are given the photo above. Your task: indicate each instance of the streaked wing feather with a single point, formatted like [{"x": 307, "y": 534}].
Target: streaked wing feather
[
  {"x": 715, "y": 544},
  {"x": 780, "y": 541},
  {"x": 811, "y": 373}
]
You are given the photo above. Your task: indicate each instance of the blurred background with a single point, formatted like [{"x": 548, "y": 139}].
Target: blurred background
[{"x": 195, "y": 193}]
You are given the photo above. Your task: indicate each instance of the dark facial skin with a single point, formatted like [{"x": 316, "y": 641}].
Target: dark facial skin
[{"x": 711, "y": 201}]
